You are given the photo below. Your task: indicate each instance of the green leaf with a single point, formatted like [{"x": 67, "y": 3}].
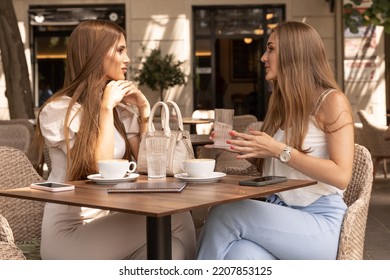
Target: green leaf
[{"x": 160, "y": 72}]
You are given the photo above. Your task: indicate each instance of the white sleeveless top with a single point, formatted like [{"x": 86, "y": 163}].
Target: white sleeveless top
[{"x": 315, "y": 140}]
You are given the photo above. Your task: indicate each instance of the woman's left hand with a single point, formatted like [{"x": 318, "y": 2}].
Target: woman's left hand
[
  {"x": 256, "y": 144},
  {"x": 135, "y": 96}
]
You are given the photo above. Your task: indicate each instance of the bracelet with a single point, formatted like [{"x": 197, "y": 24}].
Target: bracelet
[{"x": 143, "y": 119}]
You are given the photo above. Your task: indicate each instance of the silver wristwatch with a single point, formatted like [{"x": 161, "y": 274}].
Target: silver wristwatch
[{"x": 285, "y": 155}]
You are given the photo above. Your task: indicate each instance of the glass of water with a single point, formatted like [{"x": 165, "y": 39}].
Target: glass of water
[
  {"x": 223, "y": 124},
  {"x": 156, "y": 157}
]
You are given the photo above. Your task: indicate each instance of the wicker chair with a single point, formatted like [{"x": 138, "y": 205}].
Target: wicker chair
[
  {"x": 19, "y": 133},
  {"x": 241, "y": 122},
  {"x": 373, "y": 138},
  {"x": 8, "y": 249},
  {"x": 15, "y": 135},
  {"x": 24, "y": 216},
  {"x": 357, "y": 197}
]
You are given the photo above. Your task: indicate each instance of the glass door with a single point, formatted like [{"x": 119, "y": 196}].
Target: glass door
[{"x": 228, "y": 44}]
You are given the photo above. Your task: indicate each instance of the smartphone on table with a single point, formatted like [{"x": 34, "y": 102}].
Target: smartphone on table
[
  {"x": 263, "y": 181},
  {"x": 52, "y": 186}
]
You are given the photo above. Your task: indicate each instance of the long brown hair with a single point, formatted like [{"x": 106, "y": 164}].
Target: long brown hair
[
  {"x": 88, "y": 45},
  {"x": 303, "y": 72}
]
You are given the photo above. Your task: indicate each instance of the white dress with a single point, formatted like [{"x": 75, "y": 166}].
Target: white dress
[{"x": 70, "y": 232}]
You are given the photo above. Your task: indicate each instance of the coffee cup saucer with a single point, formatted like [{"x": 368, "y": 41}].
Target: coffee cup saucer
[
  {"x": 98, "y": 179},
  {"x": 210, "y": 179}
]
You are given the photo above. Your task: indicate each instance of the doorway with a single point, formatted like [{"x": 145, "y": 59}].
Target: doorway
[{"x": 228, "y": 44}]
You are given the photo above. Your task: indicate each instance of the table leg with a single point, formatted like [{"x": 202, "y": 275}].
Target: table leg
[{"x": 158, "y": 238}]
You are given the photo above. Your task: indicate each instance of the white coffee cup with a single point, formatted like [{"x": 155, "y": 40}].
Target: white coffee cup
[
  {"x": 199, "y": 167},
  {"x": 115, "y": 168}
]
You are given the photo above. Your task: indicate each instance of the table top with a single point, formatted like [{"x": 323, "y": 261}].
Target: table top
[
  {"x": 200, "y": 139},
  {"x": 190, "y": 120},
  {"x": 89, "y": 194}
]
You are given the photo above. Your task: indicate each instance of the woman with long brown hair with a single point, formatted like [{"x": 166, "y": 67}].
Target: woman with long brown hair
[
  {"x": 97, "y": 115},
  {"x": 308, "y": 133}
]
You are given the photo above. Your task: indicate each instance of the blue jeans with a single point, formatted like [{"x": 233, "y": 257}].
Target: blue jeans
[{"x": 252, "y": 229}]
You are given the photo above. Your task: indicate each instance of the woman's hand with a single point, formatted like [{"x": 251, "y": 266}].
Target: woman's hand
[
  {"x": 211, "y": 146},
  {"x": 114, "y": 92},
  {"x": 135, "y": 96},
  {"x": 256, "y": 144}
]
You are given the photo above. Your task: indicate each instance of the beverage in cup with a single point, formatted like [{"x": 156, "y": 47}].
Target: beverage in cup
[
  {"x": 156, "y": 157},
  {"x": 115, "y": 168}
]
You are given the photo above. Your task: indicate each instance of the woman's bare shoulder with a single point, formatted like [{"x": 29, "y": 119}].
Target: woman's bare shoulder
[{"x": 335, "y": 109}]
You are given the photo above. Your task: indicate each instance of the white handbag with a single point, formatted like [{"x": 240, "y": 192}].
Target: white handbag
[{"x": 179, "y": 147}]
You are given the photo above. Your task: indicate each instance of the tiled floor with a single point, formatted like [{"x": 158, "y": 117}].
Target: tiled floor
[{"x": 377, "y": 243}]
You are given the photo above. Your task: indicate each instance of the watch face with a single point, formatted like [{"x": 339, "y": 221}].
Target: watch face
[{"x": 285, "y": 155}]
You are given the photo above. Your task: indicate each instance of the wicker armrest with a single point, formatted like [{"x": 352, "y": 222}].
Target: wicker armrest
[
  {"x": 249, "y": 171},
  {"x": 351, "y": 243},
  {"x": 9, "y": 251}
]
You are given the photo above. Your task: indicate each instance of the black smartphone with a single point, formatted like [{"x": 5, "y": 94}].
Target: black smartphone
[
  {"x": 262, "y": 181},
  {"x": 52, "y": 186}
]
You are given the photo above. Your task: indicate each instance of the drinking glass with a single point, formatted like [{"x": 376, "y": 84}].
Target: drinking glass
[
  {"x": 223, "y": 124},
  {"x": 156, "y": 157}
]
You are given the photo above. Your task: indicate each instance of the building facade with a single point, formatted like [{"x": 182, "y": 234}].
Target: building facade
[{"x": 170, "y": 25}]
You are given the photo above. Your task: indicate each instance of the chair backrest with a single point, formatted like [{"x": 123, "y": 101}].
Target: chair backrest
[
  {"x": 19, "y": 134},
  {"x": 357, "y": 197},
  {"x": 15, "y": 135},
  {"x": 24, "y": 216},
  {"x": 373, "y": 136},
  {"x": 241, "y": 122},
  {"x": 255, "y": 126}
]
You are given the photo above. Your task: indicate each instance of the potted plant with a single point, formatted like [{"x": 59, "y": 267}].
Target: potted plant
[
  {"x": 378, "y": 13},
  {"x": 159, "y": 72}
]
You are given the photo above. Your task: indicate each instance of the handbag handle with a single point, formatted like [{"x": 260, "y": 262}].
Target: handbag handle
[
  {"x": 178, "y": 114},
  {"x": 164, "y": 119}
]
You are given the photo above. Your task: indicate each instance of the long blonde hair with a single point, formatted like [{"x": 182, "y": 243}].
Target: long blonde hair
[
  {"x": 88, "y": 45},
  {"x": 302, "y": 72}
]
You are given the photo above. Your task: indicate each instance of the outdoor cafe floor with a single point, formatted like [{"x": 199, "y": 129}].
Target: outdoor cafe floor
[{"x": 377, "y": 243}]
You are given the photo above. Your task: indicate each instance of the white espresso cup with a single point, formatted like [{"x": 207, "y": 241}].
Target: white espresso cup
[
  {"x": 115, "y": 168},
  {"x": 199, "y": 167}
]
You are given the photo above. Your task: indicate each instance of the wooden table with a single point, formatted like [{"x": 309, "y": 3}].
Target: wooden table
[
  {"x": 157, "y": 207},
  {"x": 189, "y": 120},
  {"x": 193, "y": 122}
]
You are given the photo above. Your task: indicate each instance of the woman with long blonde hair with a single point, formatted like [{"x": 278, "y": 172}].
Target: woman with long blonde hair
[
  {"x": 307, "y": 134},
  {"x": 97, "y": 114}
]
